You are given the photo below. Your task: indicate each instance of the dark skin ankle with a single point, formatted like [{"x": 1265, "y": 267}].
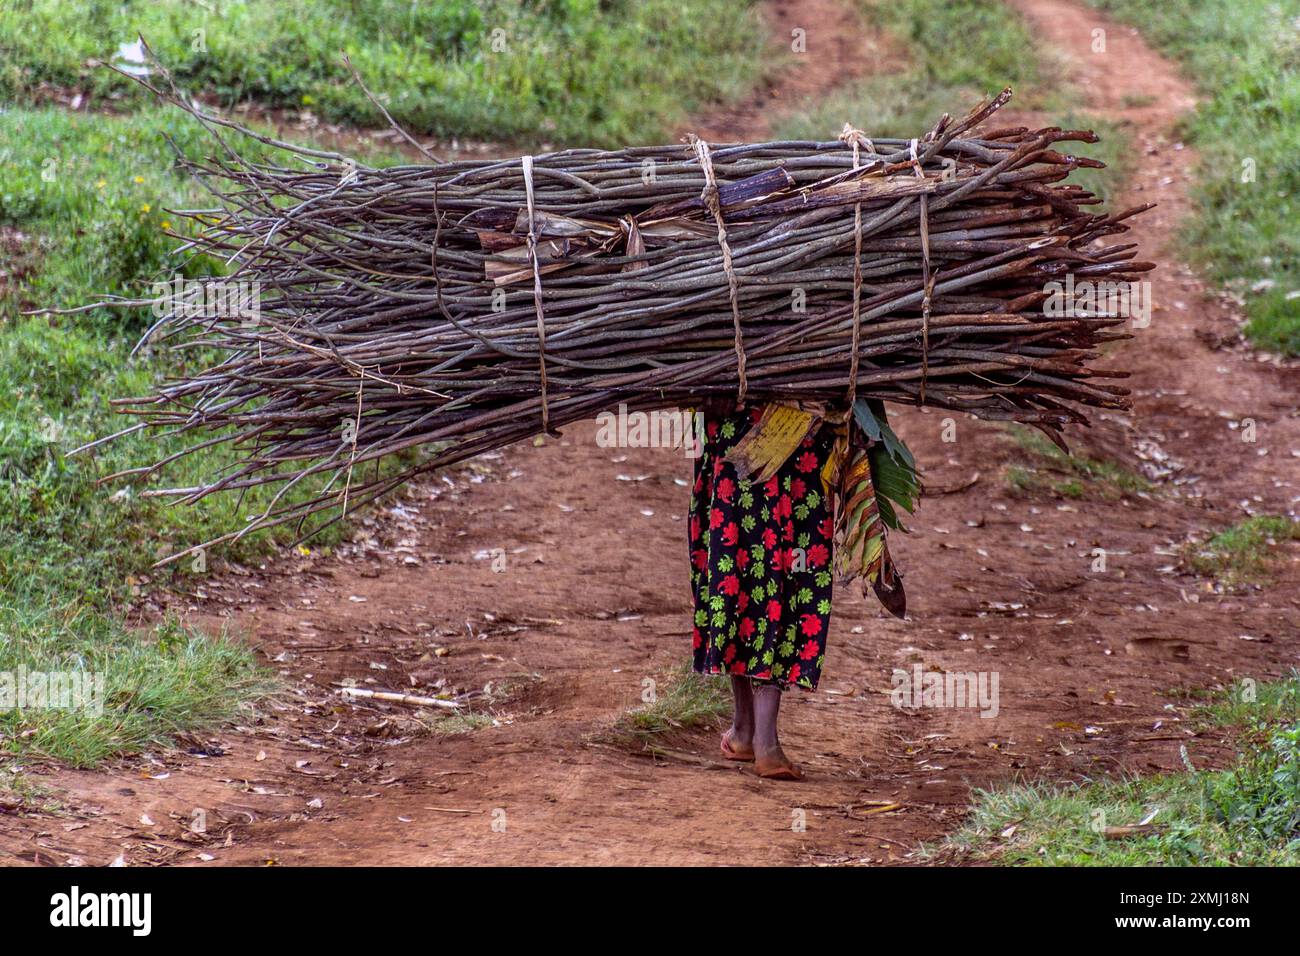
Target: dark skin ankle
[
  {"x": 738, "y": 741},
  {"x": 769, "y": 759}
]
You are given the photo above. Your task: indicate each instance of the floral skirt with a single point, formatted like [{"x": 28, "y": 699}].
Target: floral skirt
[{"x": 761, "y": 559}]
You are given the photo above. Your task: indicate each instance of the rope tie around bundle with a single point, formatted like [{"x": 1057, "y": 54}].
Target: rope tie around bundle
[
  {"x": 713, "y": 202},
  {"x": 927, "y": 278},
  {"x": 945, "y": 242},
  {"x": 537, "y": 290},
  {"x": 856, "y": 138}
]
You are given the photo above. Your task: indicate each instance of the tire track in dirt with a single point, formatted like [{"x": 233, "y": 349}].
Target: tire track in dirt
[{"x": 600, "y": 586}]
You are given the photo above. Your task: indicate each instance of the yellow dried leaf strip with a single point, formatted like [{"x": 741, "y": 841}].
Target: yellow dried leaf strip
[{"x": 770, "y": 442}]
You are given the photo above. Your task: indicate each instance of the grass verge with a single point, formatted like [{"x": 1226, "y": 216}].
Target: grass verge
[
  {"x": 1246, "y": 553},
  {"x": 1247, "y": 815},
  {"x": 686, "y": 702},
  {"x": 146, "y": 687},
  {"x": 90, "y": 194},
  {"x": 583, "y": 72},
  {"x": 959, "y": 52},
  {"x": 1048, "y": 470},
  {"x": 1244, "y": 56}
]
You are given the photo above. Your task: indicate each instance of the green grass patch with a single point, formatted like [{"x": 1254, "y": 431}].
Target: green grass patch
[
  {"x": 19, "y": 790},
  {"x": 576, "y": 71},
  {"x": 686, "y": 702},
  {"x": 455, "y": 724},
  {"x": 1246, "y": 553},
  {"x": 1245, "y": 57},
  {"x": 1247, "y": 815},
  {"x": 154, "y": 685},
  {"x": 1248, "y": 705},
  {"x": 1049, "y": 470},
  {"x": 91, "y": 193},
  {"x": 957, "y": 53}
]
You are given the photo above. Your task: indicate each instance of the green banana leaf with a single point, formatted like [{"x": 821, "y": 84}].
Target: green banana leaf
[{"x": 893, "y": 467}]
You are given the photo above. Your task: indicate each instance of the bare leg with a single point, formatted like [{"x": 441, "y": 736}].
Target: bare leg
[
  {"x": 738, "y": 741},
  {"x": 770, "y": 759}
]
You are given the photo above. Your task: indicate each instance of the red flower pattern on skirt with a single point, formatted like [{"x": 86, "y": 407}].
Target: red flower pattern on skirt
[{"x": 763, "y": 589}]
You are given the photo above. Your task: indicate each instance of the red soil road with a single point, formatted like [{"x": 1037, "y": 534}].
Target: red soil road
[
  {"x": 593, "y": 600},
  {"x": 836, "y": 46}
]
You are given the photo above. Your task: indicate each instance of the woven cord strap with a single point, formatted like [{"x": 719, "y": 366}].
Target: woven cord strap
[
  {"x": 537, "y": 290},
  {"x": 714, "y": 205},
  {"x": 857, "y": 138},
  {"x": 927, "y": 279}
]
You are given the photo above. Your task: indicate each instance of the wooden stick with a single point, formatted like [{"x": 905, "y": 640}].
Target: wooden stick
[
  {"x": 663, "y": 274},
  {"x": 393, "y": 698}
]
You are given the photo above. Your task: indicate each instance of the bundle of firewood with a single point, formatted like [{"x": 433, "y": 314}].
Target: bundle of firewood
[{"x": 462, "y": 306}]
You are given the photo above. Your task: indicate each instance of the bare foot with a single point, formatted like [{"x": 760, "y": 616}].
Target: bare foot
[
  {"x": 734, "y": 749},
  {"x": 775, "y": 765}
]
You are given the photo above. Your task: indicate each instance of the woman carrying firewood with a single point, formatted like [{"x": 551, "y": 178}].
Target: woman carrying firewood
[{"x": 762, "y": 536}]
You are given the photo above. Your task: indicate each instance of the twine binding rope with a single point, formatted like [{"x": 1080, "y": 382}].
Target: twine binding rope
[
  {"x": 857, "y": 138},
  {"x": 537, "y": 290},
  {"x": 927, "y": 279},
  {"x": 714, "y": 205}
]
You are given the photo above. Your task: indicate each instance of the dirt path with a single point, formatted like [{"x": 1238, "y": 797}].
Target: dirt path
[
  {"x": 820, "y": 45},
  {"x": 593, "y": 600}
]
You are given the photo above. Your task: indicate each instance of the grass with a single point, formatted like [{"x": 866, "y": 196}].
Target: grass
[
  {"x": 95, "y": 227},
  {"x": 686, "y": 702},
  {"x": 1051, "y": 471},
  {"x": 18, "y": 790},
  {"x": 84, "y": 198},
  {"x": 1245, "y": 553},
  {"x": 959, "y": 52},
  {"x": 91, "y": 193},
  {"x": 1246, "y": 815},
  {"x": 583, "y": 72},
  {"x": 1249, "y": 703},
  {"x": 92, "y": 190},
  {"x": 155, "y": 685},
  {"x": 452, "y": 725},
  {"x": 1245, "y": 58}
]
